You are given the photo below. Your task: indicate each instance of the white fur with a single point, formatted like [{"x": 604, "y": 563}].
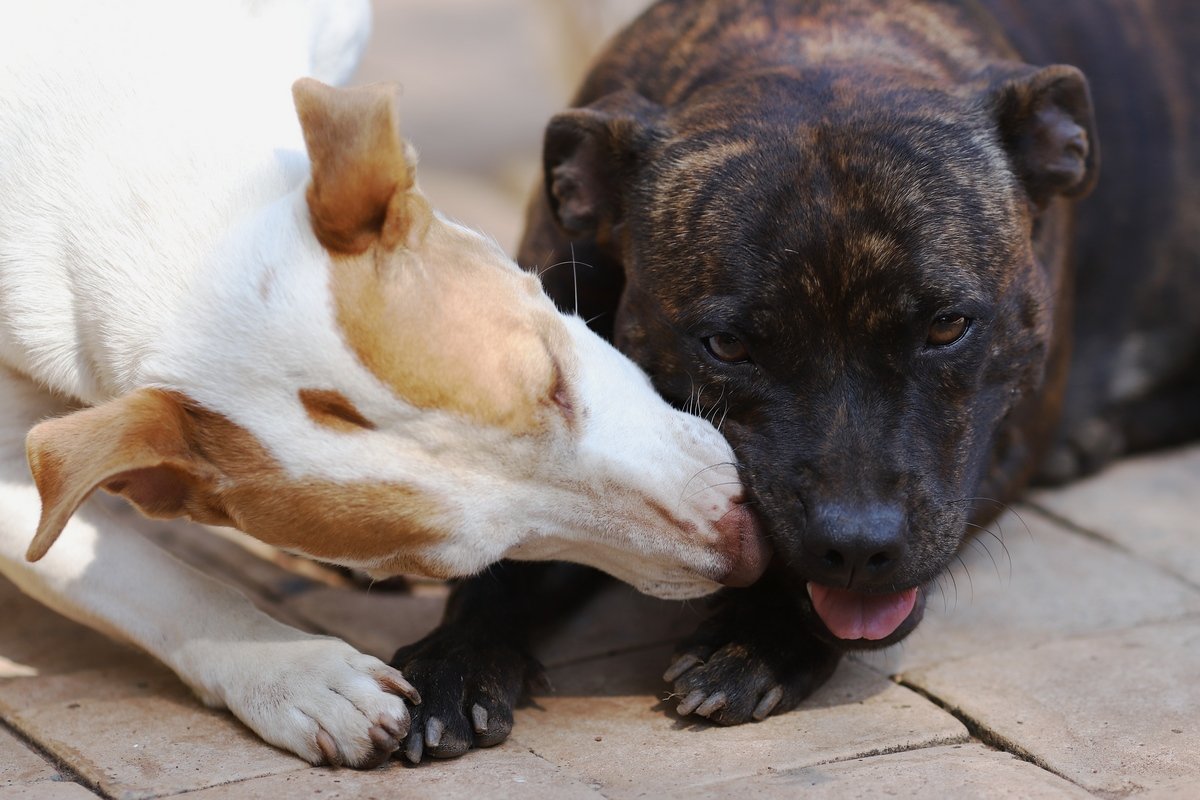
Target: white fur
[{"x": 154, "y": 232}]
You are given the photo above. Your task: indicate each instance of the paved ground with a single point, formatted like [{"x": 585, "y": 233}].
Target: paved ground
[{"x": 1059, "y": 660}]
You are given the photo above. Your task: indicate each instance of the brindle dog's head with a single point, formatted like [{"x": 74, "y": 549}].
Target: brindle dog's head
[{"x": 846, "y": 268}]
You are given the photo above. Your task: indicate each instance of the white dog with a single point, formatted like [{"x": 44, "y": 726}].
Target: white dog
[{"x": 230, "y": 315}]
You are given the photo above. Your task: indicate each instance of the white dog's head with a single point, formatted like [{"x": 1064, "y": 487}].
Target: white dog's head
[{"x": 369, "y": 384}]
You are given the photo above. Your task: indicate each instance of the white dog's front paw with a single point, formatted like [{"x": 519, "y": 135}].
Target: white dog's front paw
[{"x": 317, "y": 697}]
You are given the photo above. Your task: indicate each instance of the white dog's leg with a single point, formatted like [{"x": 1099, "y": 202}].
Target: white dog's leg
[{"x": 313, "y": 695}]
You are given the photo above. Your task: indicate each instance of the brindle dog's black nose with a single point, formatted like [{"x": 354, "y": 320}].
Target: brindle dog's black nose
[{"x": 852, "y": 546}]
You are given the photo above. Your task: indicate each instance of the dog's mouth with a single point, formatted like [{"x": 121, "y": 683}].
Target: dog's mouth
[{"x": 878, "y": 619}]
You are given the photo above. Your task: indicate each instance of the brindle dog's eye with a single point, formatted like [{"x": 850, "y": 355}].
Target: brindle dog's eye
[
  {"x": 728, "y": 348},
  {"x": 947, "y": 329}
]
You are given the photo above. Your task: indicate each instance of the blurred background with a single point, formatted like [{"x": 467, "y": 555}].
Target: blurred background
[{"x": 480, "y": 79}]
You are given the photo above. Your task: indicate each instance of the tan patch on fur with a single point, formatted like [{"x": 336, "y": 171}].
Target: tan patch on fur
[
  {"x": 333, "y": 410},
  {"x": 451, "y": 325},
  {"x": 172, "y": 458},
  {"x": 359, "y": 522}
]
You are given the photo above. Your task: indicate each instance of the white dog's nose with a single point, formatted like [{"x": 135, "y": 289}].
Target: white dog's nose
[{"x": 745, "y": 547}]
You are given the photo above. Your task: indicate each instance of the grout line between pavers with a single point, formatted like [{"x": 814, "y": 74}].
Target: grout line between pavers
[
  {"x": 1098, "y": 537},
  {"x": 986, "y": 735},
  {"x": 66, "y": 774},
  {"x": 900, "y": 748},
  {"x": 244, "y": 779}
]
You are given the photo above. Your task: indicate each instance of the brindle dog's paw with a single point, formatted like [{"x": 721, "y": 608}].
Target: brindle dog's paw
[
  {"x": 733, "y": 674},
  {"x": 468, "y": 691},
  {"x": 1086, "y": 448}
]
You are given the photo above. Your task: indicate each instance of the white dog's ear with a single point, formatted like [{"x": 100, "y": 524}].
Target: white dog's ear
[
  {"x": 136, "y": 446},
  {"x": 362, "y": 170}
]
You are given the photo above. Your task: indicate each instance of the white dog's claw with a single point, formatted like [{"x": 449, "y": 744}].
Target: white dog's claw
[
  {"x": 396, "y": 728},
  {"x": 385, "y": 744},
  {"x": 383, "y": 739},
  {"x": 396, "y": 684},
  {"x": 328, "y": 748}
]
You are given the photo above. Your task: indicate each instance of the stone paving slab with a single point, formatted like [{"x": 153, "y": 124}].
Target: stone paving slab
[
  {"x": 1116, "y": 713},
  {"x": 1146, "y": 505},
  {"x": 618, "y": 694},
  {"x": 953, "y": 771},
  {"x": 129, "y": 726},
  {"x": 46, "y": 791},
  {"x": 36, "y": 641},
  {"x": 20, "y": 765},
  {"x": 1044, "y": 583},
  {"x": 1183, "y": 790},
  {"x": 501, "y": 772},
  {"x": 602, "y": 725}
]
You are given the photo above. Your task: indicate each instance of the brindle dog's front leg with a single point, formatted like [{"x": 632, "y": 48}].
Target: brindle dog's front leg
[
  {"x": 475, "y": 668},
  {"x": 752, "y": 658}
]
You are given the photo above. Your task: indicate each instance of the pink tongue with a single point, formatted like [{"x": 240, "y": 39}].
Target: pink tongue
[{"x": 855, "y": 615}]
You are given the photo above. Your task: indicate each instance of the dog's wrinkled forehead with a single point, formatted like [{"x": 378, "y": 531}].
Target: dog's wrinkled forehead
[{"x": 906, "y": 204}]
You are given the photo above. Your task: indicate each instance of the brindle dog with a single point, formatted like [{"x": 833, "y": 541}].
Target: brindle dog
[{"x": 853, "y": 231}]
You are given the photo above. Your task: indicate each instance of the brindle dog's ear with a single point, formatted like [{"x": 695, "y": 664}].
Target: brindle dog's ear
[
  {"x": 590, "y": 153},
  {"x": 1047, "y": 125}
]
